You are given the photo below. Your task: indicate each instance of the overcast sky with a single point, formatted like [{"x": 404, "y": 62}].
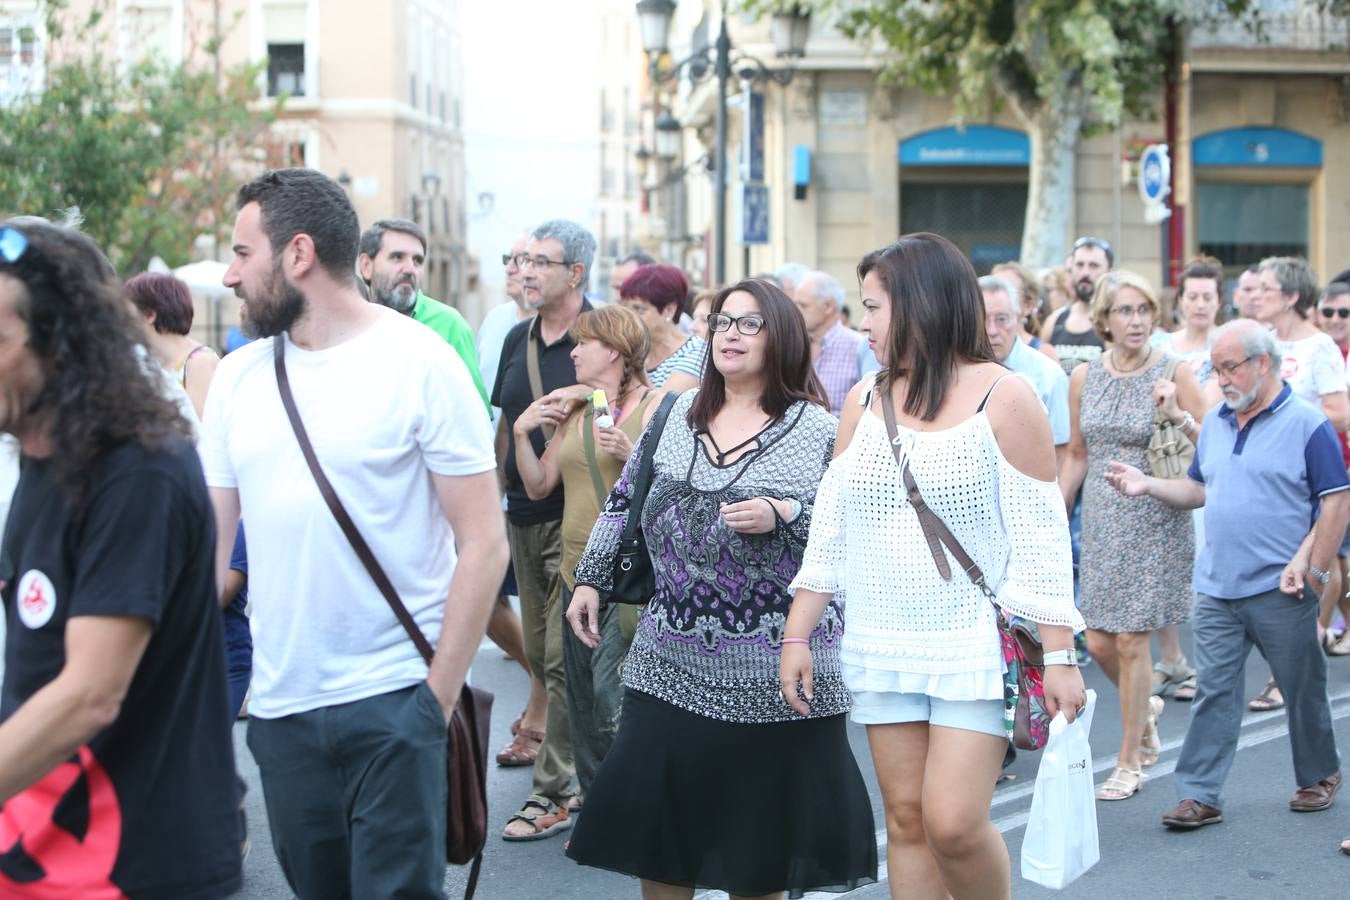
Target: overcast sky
[{"x": 529, "y": 118}]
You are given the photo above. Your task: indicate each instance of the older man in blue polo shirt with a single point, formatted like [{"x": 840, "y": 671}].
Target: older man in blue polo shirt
[{"x": 1274, "y": 519}]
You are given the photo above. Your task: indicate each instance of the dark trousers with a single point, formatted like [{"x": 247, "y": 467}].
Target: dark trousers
[
  {"x": 1284, "y": 629},
  {"x": 356, "y": 796},
  {"x": 595, "y": 685}
]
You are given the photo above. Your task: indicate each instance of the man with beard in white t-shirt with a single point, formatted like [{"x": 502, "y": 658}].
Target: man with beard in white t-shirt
[{"x": 347, "y": 725}]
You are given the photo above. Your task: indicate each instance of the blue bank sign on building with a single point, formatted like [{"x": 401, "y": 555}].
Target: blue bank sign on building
[
  {"x": 974, "y": 145},
  {"x": 1257, "y": 147}
]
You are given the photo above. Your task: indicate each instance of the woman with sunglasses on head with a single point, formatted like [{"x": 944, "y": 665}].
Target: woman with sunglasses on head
[
  {"x": 1334, "y": 320},
  {"x": 713, "y": 779},
  {"x": 921, "y": 654},
  {"x": 1314, "y": 369},
  {"x": 1135, "y": 570}
]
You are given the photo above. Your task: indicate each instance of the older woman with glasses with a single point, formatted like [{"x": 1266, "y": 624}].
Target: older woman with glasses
[
  {"x": 713, "y": 779},
  {"x": 1334, "y": 320},
  {"x": 1135, "y": 570},
  {"x": 1314, "y": 369}
]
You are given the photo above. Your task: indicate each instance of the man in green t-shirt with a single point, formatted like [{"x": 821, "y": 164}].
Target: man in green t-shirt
[{"x": 392, "y": 253}]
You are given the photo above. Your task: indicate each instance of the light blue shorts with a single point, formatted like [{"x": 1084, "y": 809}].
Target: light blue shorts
[{"x": 892, "y": 708}]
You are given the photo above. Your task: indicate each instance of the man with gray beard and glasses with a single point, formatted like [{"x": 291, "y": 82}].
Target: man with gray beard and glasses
[{"x": 1259, "y": 575}]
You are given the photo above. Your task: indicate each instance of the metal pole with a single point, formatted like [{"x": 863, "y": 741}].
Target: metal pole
[{"x": 720, "y": 168}]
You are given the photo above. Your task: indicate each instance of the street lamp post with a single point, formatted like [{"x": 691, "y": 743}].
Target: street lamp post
[{"x": 791, "y": 26}]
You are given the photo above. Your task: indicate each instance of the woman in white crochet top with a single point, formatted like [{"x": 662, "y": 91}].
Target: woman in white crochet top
[{"x": 921, "y": 654}]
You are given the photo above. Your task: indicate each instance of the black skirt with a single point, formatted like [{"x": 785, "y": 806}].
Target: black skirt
[{"x": 748, "y": 809}]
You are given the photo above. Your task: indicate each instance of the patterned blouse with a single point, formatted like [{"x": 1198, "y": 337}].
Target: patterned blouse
[{"x": 710, "y": 640}]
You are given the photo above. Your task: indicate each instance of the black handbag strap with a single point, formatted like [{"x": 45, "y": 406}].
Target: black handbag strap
[
  {"x": 935, "y": 531},
  {"x": 532, "y": 370},
  {"x": 643, "y": 482}
]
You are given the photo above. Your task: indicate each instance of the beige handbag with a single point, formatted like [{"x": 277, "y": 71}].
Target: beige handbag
[{"x": 1169, "y": 450}]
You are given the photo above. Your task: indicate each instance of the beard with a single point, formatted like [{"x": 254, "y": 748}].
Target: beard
[
  {"x": 272, "y": 310},
  {"x": 401, "y": 296},
  {"x": 1238, "y": 401},
  {"x": 1084, "y": 289}
]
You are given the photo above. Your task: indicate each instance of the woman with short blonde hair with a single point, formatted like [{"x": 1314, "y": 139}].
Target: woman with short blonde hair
[{"x": 1135, "y": 567}]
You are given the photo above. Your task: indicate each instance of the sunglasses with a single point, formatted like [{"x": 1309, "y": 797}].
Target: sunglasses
[
  {"x": 1329, "y": 313},
  {"x": 12, "y": 245}
]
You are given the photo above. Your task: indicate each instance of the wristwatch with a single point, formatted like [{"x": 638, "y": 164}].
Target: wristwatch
[
  {"x": 1061, "y": 658},
  {"x": 1319, "y": 575}
]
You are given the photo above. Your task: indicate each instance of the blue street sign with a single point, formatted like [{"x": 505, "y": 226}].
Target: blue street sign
[
  {"x": 1155, "y": 171},
  {"x": 754, "y": 213},
  {"x": 752, "y": 139}
]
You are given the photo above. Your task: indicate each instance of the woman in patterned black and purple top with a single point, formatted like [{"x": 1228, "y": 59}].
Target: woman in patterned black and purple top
[{"x": 713, "y": 780}]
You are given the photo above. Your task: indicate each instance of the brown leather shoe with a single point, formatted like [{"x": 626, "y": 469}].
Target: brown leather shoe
[
  {"x": 1192, "y": 814},
  {"x": 1316, "y": 797}
]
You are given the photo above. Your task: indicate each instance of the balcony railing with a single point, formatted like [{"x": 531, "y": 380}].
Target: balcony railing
[{"x": 1283, "y": 25}]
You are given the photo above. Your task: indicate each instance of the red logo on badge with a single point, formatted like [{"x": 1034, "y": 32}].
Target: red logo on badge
[{"x": 37, "y": 599}]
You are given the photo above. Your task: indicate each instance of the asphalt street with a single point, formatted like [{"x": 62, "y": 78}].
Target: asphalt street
[{"x": 1261, "y": 850}]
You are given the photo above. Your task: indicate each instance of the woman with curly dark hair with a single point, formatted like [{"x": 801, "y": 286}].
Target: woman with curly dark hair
[{"x": 114, "y": 663}]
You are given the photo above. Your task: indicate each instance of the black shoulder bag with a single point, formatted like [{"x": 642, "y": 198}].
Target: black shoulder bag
[{"x": 634, "y": 580}]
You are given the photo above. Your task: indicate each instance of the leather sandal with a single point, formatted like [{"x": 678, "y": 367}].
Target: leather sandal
[
  {"x": 1165, "y": 676},
  {"x": 1116, "y": 787},
  {"x": 1151, "y": 746},
  {"x": 523, "y": 749},
  {"x": 1185, "y": 692},
  {"x": 544, "y": 816},
  {"x": 1269, "y": 700}
]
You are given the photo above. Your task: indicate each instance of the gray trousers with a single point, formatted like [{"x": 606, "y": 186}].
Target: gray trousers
[
  {"x": 1284, "y": 629},
  {"x": 356, "y": 796},
  {"x": 594, "y": 685}
]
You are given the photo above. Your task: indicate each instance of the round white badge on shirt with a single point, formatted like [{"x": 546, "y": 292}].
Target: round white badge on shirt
[{"x": 36, "y": 599}]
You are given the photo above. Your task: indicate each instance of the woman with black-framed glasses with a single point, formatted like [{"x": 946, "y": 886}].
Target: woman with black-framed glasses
[{"x": 713, "y": 780}]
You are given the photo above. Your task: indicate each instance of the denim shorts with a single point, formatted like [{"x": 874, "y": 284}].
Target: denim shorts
[{"x": 892, "y": 708}]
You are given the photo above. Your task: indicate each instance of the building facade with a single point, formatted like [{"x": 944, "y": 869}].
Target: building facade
[
  {"x": 373, "y": 92},
  {"x": 1259, "y": 147}
]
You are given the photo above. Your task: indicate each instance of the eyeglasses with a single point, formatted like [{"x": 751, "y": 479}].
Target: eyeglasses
[
  {"x": 508, "y": 258},
  {"x": 1143, "y": 311},
  {"x": 12, "y": 245},
  {"x": 999, "y": 320},
  {"x": 746, "y": 325},
  {"x": 1329, "y": 313},
  {"x": 539, "y": 262},
  {"x": 1228, "y": 370}
]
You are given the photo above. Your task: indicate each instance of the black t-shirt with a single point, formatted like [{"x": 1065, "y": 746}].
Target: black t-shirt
[
  {"x": 512, "y": 393},
  {"x": 149, "y": 807}
]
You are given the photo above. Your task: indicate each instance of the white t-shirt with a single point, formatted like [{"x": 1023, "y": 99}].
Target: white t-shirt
[
  {"x": 1313, "y": 366},
  {"x": 491, "y": 336},
  {"x": 384, "y": 410}
]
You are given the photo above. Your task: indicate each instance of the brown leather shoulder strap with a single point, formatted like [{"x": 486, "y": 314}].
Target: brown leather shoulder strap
[
  {"x": 935, "y": 531},
  {"x": 363, "y": 551}
]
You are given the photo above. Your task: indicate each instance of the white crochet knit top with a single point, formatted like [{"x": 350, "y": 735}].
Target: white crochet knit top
[{"x": 906, "y": 629}]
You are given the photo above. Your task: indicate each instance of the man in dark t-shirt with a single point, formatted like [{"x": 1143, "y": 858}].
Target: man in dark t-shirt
[
  {"x": 554, "y": 269},
  {"x": 116, "y": 761}
]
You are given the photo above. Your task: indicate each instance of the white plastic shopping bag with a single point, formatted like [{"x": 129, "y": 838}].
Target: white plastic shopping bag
[{"x": 1061, "y": 838}]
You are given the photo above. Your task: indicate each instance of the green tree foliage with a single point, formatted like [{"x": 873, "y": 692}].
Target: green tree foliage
[{"x": 149, "y": 152}]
